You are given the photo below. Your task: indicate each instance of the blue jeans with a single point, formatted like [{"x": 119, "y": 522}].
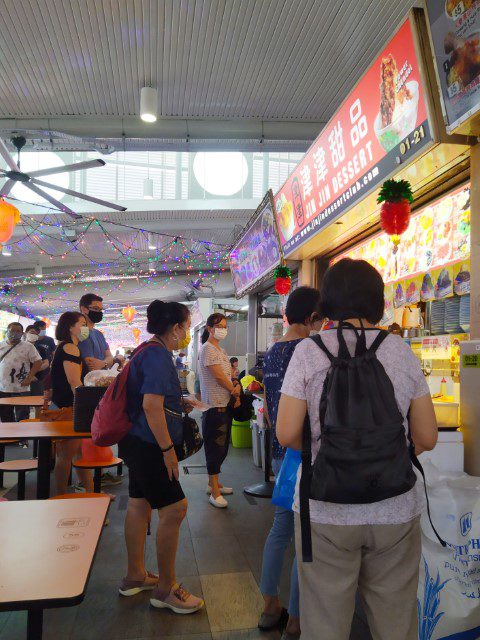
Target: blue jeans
[{"x": 280, "y": 537}]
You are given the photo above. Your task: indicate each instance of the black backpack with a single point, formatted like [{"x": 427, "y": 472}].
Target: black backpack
[{"x": 364, "y": 456}]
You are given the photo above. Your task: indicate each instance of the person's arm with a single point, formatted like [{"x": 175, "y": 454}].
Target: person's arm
[
  {"x": 73, "y": 370},
  {"x": 108, "y": 358},
  {"x": 34, "y": 369},
  {"x": 423, "y": 424},
  {"x": 223, "y": 380},
  {"x": 266, "y": 417},
  {"x": 155, "y": 415},
  {"x": 290, "y": 419}
]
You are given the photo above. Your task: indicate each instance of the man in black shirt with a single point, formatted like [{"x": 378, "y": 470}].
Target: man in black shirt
[{"x": 46, "y": 348}]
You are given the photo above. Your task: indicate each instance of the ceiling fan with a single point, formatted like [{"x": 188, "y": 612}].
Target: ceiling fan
[{"x": 32, "y": 182}]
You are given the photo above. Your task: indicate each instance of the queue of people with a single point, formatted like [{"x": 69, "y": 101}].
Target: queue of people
[{"x": 369, "y": 547}]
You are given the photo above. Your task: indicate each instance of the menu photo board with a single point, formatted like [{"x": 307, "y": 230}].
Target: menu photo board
[
  {"x": 455, "y": 32},
  {"x": 383, "y": 123},
  {"x": 257, "y": 252}
]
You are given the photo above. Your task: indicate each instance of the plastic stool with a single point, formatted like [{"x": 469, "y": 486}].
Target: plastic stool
[
  {"x": 22, "y": 467},
  {"x": 2, "y": 456},
  {"x": 97, "y": 466},
  {"x": 74, "y": 496}
]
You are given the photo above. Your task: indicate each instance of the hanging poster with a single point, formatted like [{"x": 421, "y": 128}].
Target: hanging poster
[
  {"x": 442, "y": 280},
  {"x": 257, "y": 252},
  {"x": 384, "y": 119},
  {"x": 461, "y": 278},
  {"x": 455, "y": 29}
]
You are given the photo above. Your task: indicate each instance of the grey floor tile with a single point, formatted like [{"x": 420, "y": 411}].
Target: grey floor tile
[
  {"x": 195, "y": 636},
  {"x": 15, "y": 626},
  {"x": 247, "y": 634},
  {"x": 106, "y": 615},
  {"x": 219, "y": 554},
  {"x": 233, "y": 601}
]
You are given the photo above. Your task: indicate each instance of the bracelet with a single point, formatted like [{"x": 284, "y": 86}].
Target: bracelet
[{"x": 167, "y": 449}]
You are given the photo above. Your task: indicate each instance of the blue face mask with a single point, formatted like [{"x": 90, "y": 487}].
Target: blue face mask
[{"x": 42, "y": 333}]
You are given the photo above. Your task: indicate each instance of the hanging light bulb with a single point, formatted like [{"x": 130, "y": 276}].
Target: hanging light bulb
[
  {"x": 148, "y": 189},
  {"x": 38, "y": 271},
  {"x": 148, "y": 104},
  {"x": 6, "y": 250}
]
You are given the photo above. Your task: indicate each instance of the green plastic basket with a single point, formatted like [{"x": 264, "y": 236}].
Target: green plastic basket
[{"x": 241, "y": 435}]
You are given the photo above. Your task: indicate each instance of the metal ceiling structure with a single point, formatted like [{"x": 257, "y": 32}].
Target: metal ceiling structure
[{"x": 243, "y": 75}]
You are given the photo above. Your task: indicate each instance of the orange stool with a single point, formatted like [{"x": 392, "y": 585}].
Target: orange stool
[
  {"x": 2, "y": 456},
  {"x": 97, "y": 466},
  {"x": 22, "y": 467},
  {"x": 73, "y": 496}
]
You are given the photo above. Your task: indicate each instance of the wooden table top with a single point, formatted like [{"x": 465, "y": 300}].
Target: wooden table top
[
  {"x": 34, "y": 430},
  {"x": 23, "y": 401},
  {"x": 48, "y": 547}
]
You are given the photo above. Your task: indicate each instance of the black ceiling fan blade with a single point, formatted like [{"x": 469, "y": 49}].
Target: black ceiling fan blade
[
  {"x": 78, "y": 166},
  {"x": 77, "y": 194},
  {"x": 7, "y": 187},
  {"x": 4, "y": 152},
  {"x": 49, "y": 198}
]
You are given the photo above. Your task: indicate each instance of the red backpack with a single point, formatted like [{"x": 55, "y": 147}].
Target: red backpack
[{"x": 110, "y": 421}]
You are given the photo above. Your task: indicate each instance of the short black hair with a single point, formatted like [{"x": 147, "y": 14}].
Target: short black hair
[
  {"x": 233, "y": 360},
  {"x": 18, "y": 324},
  {"x": 39, "y": 325},
  {"x": 302, "y": 303},
  {"x": 88, "y": 298},
  {"x": 66, "y": 321},
  {"x": 353, "y": 289},
  {"x": 161, "y": 316},
  {"x": 30, "y": 326}
]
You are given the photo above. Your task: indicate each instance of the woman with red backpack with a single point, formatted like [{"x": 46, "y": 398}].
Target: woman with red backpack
[{"x": 357, "y": 508}]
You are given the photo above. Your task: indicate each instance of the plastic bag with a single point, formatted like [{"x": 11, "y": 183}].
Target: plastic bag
[
  {"x": 449, "y": 582},
  {"x": 286, "y": 480},
  {"x": 101, "y": 378}
]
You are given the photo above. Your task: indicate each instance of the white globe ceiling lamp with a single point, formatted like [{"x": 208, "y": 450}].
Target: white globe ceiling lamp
[{"x": 148, "y": 104}]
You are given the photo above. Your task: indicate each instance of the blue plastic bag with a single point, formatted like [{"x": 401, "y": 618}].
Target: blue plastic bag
[{"x": 286, "y": 480}]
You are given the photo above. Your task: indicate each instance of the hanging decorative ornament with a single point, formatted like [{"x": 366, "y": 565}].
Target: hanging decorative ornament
[
  {"x": 9, "y": 217},
  {"x": 283, "y": 280},
  {"x": 136, "y": 334},
  {"x": 47, "y": 321},
  {"x": 396, "y": 197},
  {"x": 129, "y": 313}
]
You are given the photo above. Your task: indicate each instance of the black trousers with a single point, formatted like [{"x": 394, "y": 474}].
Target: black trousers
[
  {"x": 14, "y": 414},
  {"x": 216, "y": 429}
]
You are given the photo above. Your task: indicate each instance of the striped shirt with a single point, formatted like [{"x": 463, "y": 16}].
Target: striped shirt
[{"x": 212, "y": 393}]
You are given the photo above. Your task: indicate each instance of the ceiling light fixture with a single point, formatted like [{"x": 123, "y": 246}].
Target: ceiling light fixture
[
  {"x": 38, "y": 271},
  {"x": 148, "y": 189},
  {"x": 148, "y": 104},
  {"x": 6, "y": 250},
  {"x": 151, "y": 242}
]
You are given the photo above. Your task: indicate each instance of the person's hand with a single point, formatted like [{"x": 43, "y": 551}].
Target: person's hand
[
  {"x": 94, "y": 364},
  {"x": 27, "y": 382},
  {"x": 237, "y": 389},
  {"x": 171, "y": 462},
  {"x": 188, "y": 407}
]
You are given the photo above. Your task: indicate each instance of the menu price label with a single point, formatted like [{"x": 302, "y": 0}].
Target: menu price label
[
  {"x": 471, "y": 361},
  {"x": 381, "y": 124},
  {"x": 455, "y": 29}
]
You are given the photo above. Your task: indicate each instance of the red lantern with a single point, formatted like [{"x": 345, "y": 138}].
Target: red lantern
[
  {"x": 136, "y": 334},
  {"x": 128, "y": 313},
  {"x": 395, "y": 196},
  {"x": 9, "y": 217},
  {"x": 283, "y": 280}
]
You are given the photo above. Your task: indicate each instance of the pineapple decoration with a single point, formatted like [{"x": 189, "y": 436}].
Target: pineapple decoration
[
  {"x": 283, "y": 280},
  {"x": 396, "y": 197}
]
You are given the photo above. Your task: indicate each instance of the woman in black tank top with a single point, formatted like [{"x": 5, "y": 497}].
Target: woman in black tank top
[{"x": 67, "y": 373}]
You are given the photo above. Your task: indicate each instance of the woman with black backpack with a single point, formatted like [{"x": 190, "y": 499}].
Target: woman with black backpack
[{"x": 357, "y": 521}]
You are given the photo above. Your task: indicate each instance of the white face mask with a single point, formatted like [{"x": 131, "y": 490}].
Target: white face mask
[
  {"x": 220, "y": 334},
  {"x": 84, "y": 333},
  {"x": 31, "y": 337}
]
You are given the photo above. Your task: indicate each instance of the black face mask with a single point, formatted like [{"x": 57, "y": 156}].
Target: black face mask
[{"x": 95, "y": 316}]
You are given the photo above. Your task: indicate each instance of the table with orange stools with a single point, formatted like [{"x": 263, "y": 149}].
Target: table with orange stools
[
  {"x": 48, "y": 548},
  {"x": 45, "y": 432}
]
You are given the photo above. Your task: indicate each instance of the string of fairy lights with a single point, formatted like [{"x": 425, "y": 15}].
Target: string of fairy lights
[{"x": 151, "y": 258}]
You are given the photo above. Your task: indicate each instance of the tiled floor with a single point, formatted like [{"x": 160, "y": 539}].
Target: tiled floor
[{"x": 219, "y": 557}]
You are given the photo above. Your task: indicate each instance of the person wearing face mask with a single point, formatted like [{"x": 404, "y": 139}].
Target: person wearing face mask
[
  {"x": 19, "y": 364},
  {"x": 94, "y": 350},
  {"x": 217, "y": 390},
  {"x": 67, "y": 373},
  {"x": 31, "y": 335},
  {"x": 303, "y": 315}
]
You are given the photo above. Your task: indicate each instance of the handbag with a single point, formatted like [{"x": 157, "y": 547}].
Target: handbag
[
  {"x": 85, "y": 401},
  {"x": 191, "y": 438},
  {"x": 284, "y": 489}
]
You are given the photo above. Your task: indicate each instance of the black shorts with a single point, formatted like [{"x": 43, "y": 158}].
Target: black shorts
[{"x": 147, "y": 473}]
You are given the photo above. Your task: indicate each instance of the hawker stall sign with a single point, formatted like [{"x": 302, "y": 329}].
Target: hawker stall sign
[
  {"x": 455, "y": 29},
  {"x": 381, "y": 124}
]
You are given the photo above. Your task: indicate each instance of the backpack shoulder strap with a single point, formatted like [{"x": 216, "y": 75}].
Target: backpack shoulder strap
[
  {"x": 305, "y": 481},
  {"x": 382, "y": 335},
  {"x": 319, "y": 342}
]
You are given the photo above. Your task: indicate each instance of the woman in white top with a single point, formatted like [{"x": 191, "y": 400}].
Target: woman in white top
[
  {"x": 373, "y": 547},
  {"x": 217, "y": 390}
]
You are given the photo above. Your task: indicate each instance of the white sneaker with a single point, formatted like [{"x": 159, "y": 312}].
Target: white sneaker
[
  {"x": 225, "y": 491},
  {"x": 219, "y": 503}
]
